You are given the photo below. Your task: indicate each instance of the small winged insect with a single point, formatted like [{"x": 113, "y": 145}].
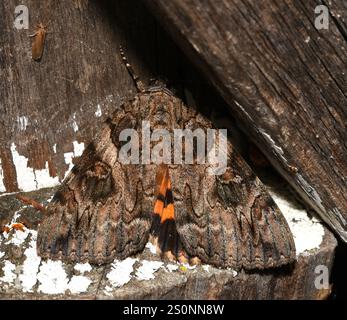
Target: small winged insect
[
  {"x": 38, "y": 43},
  {"x": 106, "y": 209}
]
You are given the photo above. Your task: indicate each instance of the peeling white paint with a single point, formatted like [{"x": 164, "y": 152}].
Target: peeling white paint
[
  {"x": 28, "y": 277},
  {"x": 120, "y": 273},
  {"x": 2, "y": 186},
  {"x": 2, "y": 254},
  {"x": 16, "y": 215},
  {"x": 44, "y": 180},
  {"x": 50, "y": 274},
  {"x": 147, "y": 269},
  {"x": 206, "y": 267},
  {"x": 22, "y": 122},
  {"x": 98, "y": 112},
  {"x": 18, "y": 236},
  {"x": 171, "y": 267},
  {"x": 9, "y": 274},
  {"x": 308, "y": 232},
  {"x": 78, "y": 149},
  {"x": 79, "y": 284},
  {"x": 25, "y": 176},
  {"x": 74, "y": 123},
  {"x": 83, "y": 267},
  {"x": 52, "y": 277},
  {"x": 151, "y": 247},
  {"x": 68, "y": 156},
  {"x": 29, "y": 179},
  {"x": 55, "y": 148}
]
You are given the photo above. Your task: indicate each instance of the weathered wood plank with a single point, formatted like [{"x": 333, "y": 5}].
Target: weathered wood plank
[
  {"x": 284, "y": 80},
  {"x": 49, "y": 108}
]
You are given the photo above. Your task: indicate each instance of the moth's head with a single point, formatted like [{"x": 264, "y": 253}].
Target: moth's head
[
  {"x": 158, "y": 83},
  {"x": 162, "y": 110}
]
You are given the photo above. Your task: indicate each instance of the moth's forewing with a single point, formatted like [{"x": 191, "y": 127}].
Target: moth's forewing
[
  {"x": 229, "y": 220},
  {"x": 100, "y": 212}
]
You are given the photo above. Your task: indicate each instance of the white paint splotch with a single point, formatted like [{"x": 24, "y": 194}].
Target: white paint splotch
[
  {"x": 74, "y": 123},
  {"x": 308, "y": 232},
  {"x": 18, "y": 237},
  {"x": 52, "y": 277},
  {"x": 151, "y": 247},
  {"x": 83, "y": 267},
  {"x": 2, "y": 186},
  {"x": 28, "y": 277},
  {"x": 121, "y": 272},
  {"x": 29, "y": 179},
  {"x": 147, "y": 269},
  {"x": 98, "y": 112},
  {"x": 172, "y": 267},
  {"x": 78, "y": 149},
  {"x": 78, "y": 284},
  {"x": 9, "y": 274}
]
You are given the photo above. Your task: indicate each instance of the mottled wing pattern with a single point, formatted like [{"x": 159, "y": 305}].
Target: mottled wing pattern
[
  {"x": 229, "y": 220},
  {"x": 100, "y": 211},
  {"x": 105, "y": 209}
]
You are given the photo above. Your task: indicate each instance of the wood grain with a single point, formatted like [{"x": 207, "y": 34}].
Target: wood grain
[{"x": 79, "y": 70}]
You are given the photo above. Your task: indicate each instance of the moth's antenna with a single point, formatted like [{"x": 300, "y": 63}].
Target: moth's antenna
[{"x": 139, "y": 85}]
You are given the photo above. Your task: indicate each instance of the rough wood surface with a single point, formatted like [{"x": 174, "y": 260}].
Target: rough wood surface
[
  {"x": 23, "y": 275},
  {"x": 46, "y": 106},
  {"x": 284, "y": 80}
]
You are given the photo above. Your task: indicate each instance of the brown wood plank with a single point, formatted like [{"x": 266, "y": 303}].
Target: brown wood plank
[
  {"x": 46, "y": 106},
  {"x": 284, "y": 81}
]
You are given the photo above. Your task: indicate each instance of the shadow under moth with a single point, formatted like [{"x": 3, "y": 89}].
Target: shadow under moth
[{"x": 106, "y": 209}]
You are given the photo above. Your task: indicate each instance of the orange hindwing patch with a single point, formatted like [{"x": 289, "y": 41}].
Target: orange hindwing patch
[{"x": 164, "y": 206}]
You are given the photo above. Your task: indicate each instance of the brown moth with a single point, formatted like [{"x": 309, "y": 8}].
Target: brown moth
[
  {"x": 106, "y": 209},
  {"x": 38, "y": 42}
]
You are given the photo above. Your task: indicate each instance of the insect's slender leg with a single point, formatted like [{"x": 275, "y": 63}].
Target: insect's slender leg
[{"x": 139, "y": 85}]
